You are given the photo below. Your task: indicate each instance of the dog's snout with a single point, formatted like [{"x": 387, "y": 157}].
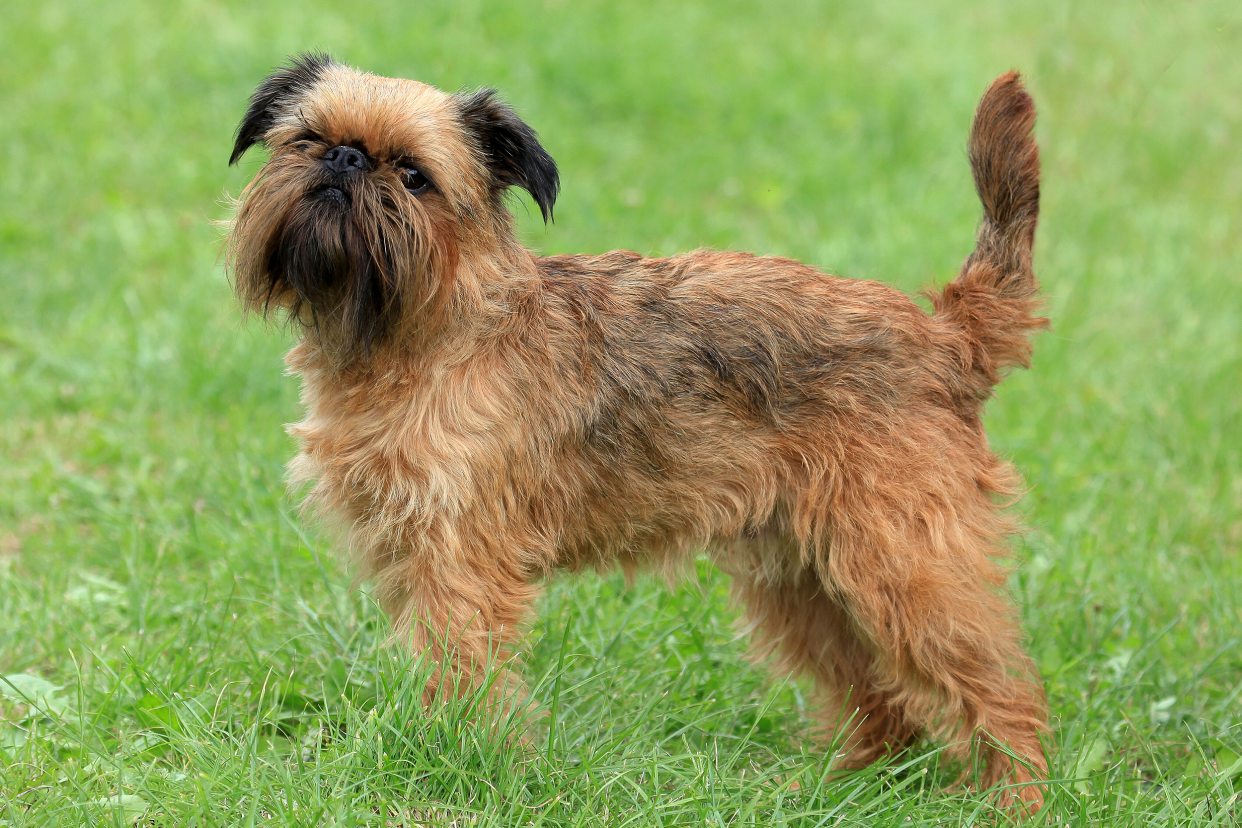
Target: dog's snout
[{"x": 345, "y": 160}]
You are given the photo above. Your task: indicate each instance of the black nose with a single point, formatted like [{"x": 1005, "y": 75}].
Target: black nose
[{"x": 345, "y": 160}]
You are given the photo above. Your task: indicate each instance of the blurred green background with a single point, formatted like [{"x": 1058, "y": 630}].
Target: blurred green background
[{"x": 147, "y": 551}]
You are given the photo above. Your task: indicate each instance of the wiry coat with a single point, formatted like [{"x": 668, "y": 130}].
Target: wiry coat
[{"x": 477, "y": 416}]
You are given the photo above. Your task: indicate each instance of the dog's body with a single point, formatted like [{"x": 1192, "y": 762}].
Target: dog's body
[{"x": 478, "y": 416}]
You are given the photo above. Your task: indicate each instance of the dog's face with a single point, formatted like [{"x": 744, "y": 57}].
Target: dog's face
[{"x": 376, "y": 190}]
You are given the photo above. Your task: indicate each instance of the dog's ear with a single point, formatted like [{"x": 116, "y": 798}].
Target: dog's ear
[
  {"x": 282, "y": 85},
  {"x": 514, "y": 155}
]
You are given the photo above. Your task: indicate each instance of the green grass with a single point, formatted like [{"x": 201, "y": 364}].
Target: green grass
[{"x": 192, "y": 655}]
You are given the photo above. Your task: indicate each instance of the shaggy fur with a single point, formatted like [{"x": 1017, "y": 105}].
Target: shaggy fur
[{"x": 478, "y": 416}]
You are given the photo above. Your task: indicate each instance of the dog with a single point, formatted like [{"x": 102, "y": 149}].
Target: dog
[{"x": 478, "y": 417}]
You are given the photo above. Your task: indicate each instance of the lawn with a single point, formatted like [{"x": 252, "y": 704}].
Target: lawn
[{"x": 180, "y": 649}]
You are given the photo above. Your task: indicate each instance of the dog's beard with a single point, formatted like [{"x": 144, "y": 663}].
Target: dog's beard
[
  {"x": 342, "y": 284},
  {"x": 338, "y": 255}
]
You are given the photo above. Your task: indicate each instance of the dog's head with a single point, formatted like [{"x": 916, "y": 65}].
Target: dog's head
[{"x": 377, "y": 190}]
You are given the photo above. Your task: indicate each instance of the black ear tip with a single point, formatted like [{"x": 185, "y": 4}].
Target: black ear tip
[
  {"x": 546, "y": 184},
  {"x": 239, "y": 148},
  {"x": 547, "y": 201},
  {"x": 538, "y": 175}
]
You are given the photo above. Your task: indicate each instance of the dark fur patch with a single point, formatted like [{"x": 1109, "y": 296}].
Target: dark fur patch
[
  {"x": 512, "y": 149},
  {"x": 661, "y": 363},
  {"x": 334, "y": 274},
  {"x": 279, "y": 87}
]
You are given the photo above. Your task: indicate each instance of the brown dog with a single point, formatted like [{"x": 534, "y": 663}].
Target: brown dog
[{"x": 478, "y": 416}]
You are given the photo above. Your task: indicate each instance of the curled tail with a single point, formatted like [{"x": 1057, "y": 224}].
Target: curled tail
[{"x": 993, "y": 301}]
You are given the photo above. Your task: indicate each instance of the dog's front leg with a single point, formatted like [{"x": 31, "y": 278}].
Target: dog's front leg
[{"x": 463, "y": 597}]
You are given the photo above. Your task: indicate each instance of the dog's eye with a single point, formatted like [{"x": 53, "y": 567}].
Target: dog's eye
[
  {"x": 305, "y": 140},
  {"x": 414, "y": 180}
]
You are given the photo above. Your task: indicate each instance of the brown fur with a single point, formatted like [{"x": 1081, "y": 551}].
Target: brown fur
[{"x": 478, "y": 417}]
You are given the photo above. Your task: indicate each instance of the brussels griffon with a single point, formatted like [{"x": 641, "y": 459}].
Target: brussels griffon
[{"x": 478, "y": 416}]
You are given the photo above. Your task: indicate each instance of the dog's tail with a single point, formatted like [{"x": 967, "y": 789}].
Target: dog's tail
[{"x": 993, "y": 300}]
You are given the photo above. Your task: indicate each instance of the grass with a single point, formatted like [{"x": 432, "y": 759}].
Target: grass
[{"x": 179, "y": 650}]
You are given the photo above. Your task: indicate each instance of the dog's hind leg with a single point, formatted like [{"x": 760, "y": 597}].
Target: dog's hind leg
[
  {"x": 912, "y": 566},
  {"x": 800, "y": 630}
]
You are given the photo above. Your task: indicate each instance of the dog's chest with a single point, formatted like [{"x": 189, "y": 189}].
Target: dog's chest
[{"x": 408, "y": 444}]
